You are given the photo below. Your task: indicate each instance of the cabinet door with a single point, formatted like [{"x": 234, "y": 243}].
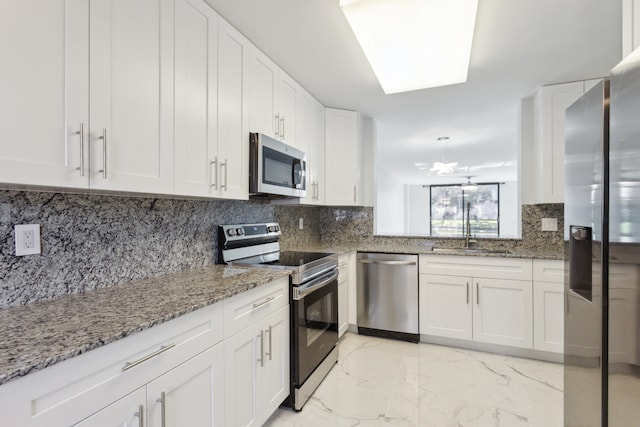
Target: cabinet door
[
  {"x": 131, "y": 95},
  {"x": 311, "y": 141},
  {"x": 191, "y": 394},
  {"x": 342, "y": 157},
  {"x": 288, "y": 96},
  {"x": 548, "y": 316},
  {"x": 552, "y": 101},
  {"x": 125, "y": 412},
  {"x": 502, "y": 312},
  {"x": 264, "y": 94},
  {"x": 445, "y": 306},
  {"x": 44, "y": 78},
  {"x": 275, "y": 373},
  {"x": 233, "y": 112},
  {"x": 242, "y": 362},
  {"x": 343, "y": 301},
  {"x": 196, "y": 68}
]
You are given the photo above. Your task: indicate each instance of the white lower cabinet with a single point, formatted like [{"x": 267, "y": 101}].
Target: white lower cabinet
[
  {"x": 191, "y": 394},
  {"x": 489, "y": 301},
  {"x": 184, "y": 372},
  {"x": 445, "y": 306},
  {"x": 548, "y": 305},
  {"x": 128, "y": 411},
  {"x": 502, "y": 312},
  {"x": 257, "y": 370}
]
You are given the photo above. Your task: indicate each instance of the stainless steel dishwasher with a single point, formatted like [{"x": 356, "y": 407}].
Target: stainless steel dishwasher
[{"x": 388, "y": 295}]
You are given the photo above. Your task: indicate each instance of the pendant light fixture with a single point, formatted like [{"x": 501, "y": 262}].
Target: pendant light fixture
[
  {"x": 443, "y": 168},
  {"x": 469, "y": 186}
]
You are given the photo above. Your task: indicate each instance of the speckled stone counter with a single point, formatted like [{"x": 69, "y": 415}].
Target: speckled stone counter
[
  {"x": 426, "y": 249},
  {"x": 38, "y": 335}
]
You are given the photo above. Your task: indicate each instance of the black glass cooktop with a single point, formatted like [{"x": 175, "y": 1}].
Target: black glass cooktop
[{"x": 296, "y": 258}]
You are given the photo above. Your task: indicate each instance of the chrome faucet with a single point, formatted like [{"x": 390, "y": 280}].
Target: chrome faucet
[{"x": 468, "y": 239}]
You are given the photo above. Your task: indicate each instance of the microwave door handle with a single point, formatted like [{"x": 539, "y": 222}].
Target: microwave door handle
[{"x": 298, "y": 173}]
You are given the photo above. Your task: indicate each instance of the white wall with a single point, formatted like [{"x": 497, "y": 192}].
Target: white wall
[
  {"x": 509, "y": 210},
  {"x": 417, "y": 210},
  {"x": 389, "y": 196}
]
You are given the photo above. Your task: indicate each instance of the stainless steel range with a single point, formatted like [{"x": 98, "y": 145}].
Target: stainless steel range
[{"x": 313, "y": 299}]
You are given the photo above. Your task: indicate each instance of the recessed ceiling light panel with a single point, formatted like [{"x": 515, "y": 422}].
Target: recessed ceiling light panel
[{"x": 414, "y": 44}]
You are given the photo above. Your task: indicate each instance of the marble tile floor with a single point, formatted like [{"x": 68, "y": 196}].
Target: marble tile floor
[{"x": 380, "y": 382}]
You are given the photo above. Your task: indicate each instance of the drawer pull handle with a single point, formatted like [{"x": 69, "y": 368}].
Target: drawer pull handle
[
  {"x": 162, "y": 349},
  {"x": 266, "y": 301}
]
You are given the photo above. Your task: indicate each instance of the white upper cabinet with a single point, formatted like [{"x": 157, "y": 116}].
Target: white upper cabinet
[
  {"x": 131, "y": 95},
  {"x": 49, "y": 87},
  {"x": 196, "y": 98},
  {"x": 45, "y": 62},
  {"x": 543, "y": 162},
  {"x": 275, "y": 99},
  {"x": 233, "y": 113},
  {"x": 342, "y": 158},
  {"x": 630, "y": 26},
  {"x": 264, "y": 94}
]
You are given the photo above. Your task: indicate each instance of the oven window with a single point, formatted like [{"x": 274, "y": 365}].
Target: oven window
[{"x": 319, "y": 317}]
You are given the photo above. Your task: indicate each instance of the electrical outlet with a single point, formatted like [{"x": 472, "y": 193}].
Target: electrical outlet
[
  {"x": 301, "y": 223},
  {"x": 27, "y": 239},
  {"x": 549, "y": 224}
]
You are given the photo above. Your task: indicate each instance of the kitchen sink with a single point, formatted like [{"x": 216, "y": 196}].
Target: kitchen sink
[{"x": 470, "y": 251}]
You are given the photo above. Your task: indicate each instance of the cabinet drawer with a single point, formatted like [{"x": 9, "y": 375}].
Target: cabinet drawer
[
  {"x": 548, "y": 271},
  {"x": 74, "y": 389},
  {"x": 485, "y": 267},
  {"x": 244, "y": 309}
]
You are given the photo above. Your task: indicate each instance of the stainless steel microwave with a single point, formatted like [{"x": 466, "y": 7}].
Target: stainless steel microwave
[{"x": 275, "y": 169}]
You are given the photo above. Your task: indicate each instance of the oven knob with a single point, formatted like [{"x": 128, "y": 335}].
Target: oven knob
[
  {"x": 270, "y": 229},
  {"x": 239, "y": 231},
  {"x": 231, "y": 232},
  {"x": 276, "y": 228}
]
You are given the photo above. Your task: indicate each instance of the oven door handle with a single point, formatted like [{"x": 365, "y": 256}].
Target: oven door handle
[{"x": 302, "y": 291}]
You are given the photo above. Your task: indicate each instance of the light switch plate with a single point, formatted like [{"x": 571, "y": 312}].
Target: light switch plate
[
  {"x": 301, "y": 223},
  {"x": 549, "y": 224},
  {"x": 27, "y": 239}
]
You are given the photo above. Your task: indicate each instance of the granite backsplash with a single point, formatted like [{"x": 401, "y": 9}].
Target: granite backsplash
[
  {"x": 349, "y": 225},
  {"x": 92, "y": 241}
]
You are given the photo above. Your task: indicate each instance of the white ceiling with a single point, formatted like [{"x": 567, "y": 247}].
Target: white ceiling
[{"x": 518, "y": 46}]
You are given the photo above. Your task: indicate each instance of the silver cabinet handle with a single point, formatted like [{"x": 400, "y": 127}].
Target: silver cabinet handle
[
  {"x": 477, "y": 294},
  {"x": 226, "y": 167},
  {"x": 277, "y": 126},
  {"x": 104, "y": 153},
  {"x": 467, "y": 292},
  {"x": 283, "y": 123},
  {"x": 161, "y": 350},
  {"x": 140, "y": 415},
  {"x": 261, "y": 359},
  {"x": 270, "y": 343},
  {"x": 354, "y": 194},
  {"x": 81, "y": 133},
  {"x": 214, "y": 163},
  {"x": 260, "y": 304},
  {"x": 163, "y": 409},
  {"x": 373, "y": 261}
]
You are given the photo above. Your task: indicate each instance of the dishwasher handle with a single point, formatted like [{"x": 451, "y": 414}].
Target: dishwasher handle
[{"x": 373, "y": 261}]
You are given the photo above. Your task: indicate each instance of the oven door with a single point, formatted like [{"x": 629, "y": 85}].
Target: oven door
[{"x": 315, "y": 324}]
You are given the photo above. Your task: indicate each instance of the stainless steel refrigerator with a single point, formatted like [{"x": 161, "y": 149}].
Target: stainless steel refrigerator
[{"x": 602, "y": 256}]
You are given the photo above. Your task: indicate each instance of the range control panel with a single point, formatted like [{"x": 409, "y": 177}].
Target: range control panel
[{"x": 236, "y": 232}]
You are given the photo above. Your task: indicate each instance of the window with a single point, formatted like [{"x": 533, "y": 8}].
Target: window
[{"x": 449, "y": 213}]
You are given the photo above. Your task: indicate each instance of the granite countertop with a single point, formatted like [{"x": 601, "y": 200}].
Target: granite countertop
[
  {"x": 427, "y": 249},
  {"x": 38, "y": 335}
]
